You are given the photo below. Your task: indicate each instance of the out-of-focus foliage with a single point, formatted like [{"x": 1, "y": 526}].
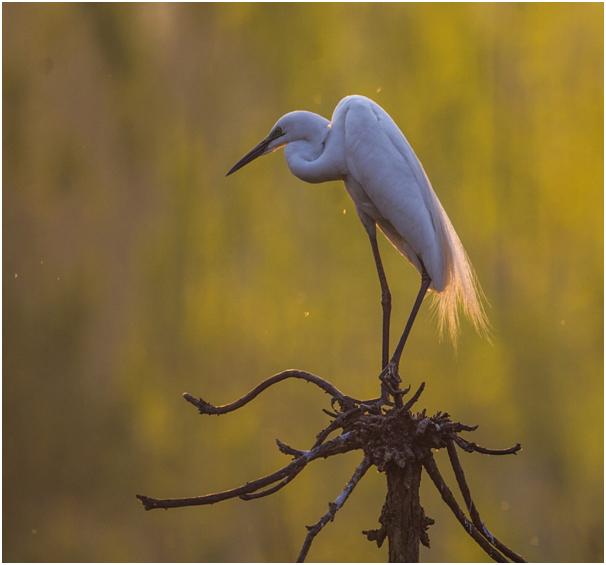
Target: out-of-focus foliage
[{"x": 133, "y": 270}]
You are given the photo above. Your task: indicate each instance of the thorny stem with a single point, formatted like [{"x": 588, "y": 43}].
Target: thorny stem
[
  {"x": 333, "y": 508},
  {"x": 471, "y": 507}
]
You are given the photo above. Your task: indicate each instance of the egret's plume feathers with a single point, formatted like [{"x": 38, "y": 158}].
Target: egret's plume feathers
[{"x": 462, "y": 289}]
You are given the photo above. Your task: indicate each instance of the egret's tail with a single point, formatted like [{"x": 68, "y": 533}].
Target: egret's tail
[{"x": 462, "y": 290}]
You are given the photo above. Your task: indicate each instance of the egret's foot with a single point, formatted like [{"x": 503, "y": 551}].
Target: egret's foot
[
  {"x": 390, "y": 379},
  {"x": 390, "y": 384}
]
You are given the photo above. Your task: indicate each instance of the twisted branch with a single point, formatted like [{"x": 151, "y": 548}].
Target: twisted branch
[
  {"x": 340, "y": 444},
  {"x": 336, "y": 424},
  {"x": 207, "y": 408},
  {"x": 471, "y": 507},
  {"x": 470, "y": 447},
  {"x": 432, "y": 470},
  {"x": 383, "y": 434},
  {"x": 287, "y": 450},
  {"x": 275, "y": 488}
]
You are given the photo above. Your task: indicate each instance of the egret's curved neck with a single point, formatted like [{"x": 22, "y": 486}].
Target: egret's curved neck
[{"x": 309, "y": 158}]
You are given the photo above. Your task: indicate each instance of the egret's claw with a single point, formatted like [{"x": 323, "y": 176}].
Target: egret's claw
[{"x": 390, "y": 378}]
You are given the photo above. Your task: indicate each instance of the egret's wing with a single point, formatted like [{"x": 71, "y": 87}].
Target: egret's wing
[{"x": 382, "y": 162}]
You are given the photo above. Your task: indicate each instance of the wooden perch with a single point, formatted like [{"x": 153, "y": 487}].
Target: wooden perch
[{"x": 392, "y": 438}]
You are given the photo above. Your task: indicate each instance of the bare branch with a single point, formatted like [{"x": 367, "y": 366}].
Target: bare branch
[
  {"x": 207, "y": 408},
  {"x": 335, "y": 425},
  {"x": 386, "y": 431},
  {"x": 473, "y": 511},
  {"x": 470, "y": 447},
  {"x": 410, "y": 402},
  {"x": 432, "y": 469},
  {"x": 333, "y": 508},
  {"x": 340, "y": 444},
  {"x": 287, "y": 450},
  {"x": 464, "y": 487},
  {"x": 275, "y": 488}
]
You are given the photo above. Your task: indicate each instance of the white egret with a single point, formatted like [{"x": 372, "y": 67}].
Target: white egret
[{"x": 364, "y": 147}]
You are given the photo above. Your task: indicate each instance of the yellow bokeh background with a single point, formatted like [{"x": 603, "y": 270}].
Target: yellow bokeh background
[{"x": 134, "y": 270}]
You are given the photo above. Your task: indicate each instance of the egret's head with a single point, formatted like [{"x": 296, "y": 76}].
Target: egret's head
[{"x": 293, "y": 126}]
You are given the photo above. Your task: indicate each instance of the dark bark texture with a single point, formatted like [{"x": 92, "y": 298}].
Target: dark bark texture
[
  {"x": 395, "y": 440},
  {"x": 404, "y": 518}
]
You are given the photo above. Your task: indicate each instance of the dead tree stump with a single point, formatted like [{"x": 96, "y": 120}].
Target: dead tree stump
[
  {"x": 404, "y": 516},
  {"x": 392, "y": 438}
]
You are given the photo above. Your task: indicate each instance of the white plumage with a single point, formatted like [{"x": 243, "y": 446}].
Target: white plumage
[{"x": 364, "y": 147}]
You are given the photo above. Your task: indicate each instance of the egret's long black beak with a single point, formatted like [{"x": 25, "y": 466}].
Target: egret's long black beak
[
  {"x": 250, "y": 156},
  {"x": 255, "y": 152}
]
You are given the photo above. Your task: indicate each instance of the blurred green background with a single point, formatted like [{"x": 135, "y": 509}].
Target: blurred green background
[{"x": 133, "y": 271}]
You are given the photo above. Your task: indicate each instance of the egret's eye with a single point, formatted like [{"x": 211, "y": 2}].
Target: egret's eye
[{"x": 278, "y": 132}]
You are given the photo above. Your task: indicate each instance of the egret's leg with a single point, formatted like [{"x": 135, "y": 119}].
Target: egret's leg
[
  {"x": 425, "y": 282},
  {"x": 385, "y": 304},
  {"x": 385, "y": 294}
]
